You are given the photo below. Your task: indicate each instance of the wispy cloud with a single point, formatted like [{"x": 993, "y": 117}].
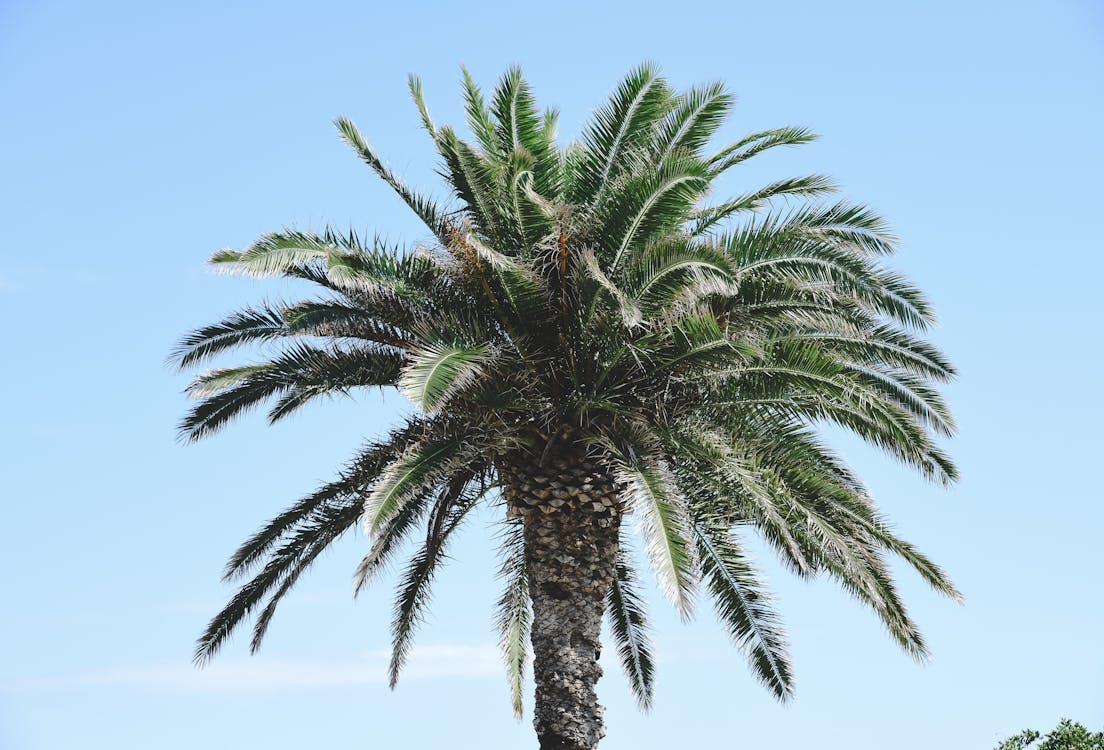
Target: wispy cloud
[{"x": 257, "y": 674}]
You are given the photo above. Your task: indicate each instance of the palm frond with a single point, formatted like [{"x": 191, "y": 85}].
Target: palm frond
[
  {"x": 883, "y": 346},
  {"x": 628, "y": 309},
  {"x": 424, "y": 208},
  {"x": 617, "y": 129},
  {"x": 289, "y": 561},
  {"x": 630, "y": 628},
  {"x": 652, "y": 204},
  {"x": 693, "y": 345},
  {"x": 474, "y": 181},
  {"x": 451, "y": 508},
  {"x": 694, "y": 117},
  {"x": 743, "y": 605},
  {"x": 805, "y": 383},
  {"x": 414, "y": 83},
  {"x": 514, "y": 614},
  {"x": 811, "y": 186},
  {"x": 251, "y": 324},
  {"x": 870, "y": 523},
  {"x": 388, "y": 540},
  {"x": 756, "y": 143},
  {"x": 763, "y": 250},
  {"x": 273, "y": 254},
  {"x": 351, "y": 484},
  {"x": 303, "y": 371},
  {"x": 666, "y": 270},
  {"x": 416, "y": 471},
  {"x": 436, "y": 371},
  {"x": 651, "y": 495},
  {"x": 717, "y": 478},
  {"x": 521, "y": 130}
]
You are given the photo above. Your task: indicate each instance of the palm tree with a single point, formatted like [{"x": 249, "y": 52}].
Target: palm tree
[{"x": 587, "y": 339}]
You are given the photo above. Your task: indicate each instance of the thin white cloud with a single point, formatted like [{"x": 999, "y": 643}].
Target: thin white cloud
[{"x": 258, "y": 674}]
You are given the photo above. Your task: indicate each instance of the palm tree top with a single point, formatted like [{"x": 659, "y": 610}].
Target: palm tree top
[{"x": 593, "y": 297}]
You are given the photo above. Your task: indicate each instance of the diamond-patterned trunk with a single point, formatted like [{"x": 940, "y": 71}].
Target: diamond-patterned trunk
[{"x": 571, "y": 514}]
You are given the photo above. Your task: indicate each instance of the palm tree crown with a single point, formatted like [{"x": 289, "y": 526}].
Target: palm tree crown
[{"x": 589, "y": 297}]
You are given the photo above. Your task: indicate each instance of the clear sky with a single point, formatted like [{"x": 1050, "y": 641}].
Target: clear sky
[{"x": 137, "y": 138}]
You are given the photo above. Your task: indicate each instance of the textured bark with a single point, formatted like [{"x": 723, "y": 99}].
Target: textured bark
[{"x": 571, "y": 515}]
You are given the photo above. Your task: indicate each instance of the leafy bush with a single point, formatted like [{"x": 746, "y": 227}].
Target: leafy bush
[{"x": 1067, "y": 735}]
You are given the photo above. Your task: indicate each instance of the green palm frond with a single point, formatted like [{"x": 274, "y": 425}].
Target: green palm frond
[
  {"x": 420, "y": 468},
  {"x": 648, "y": 205},
  {"x": 694, "y": 117},
  {"x": 692, "y": 346},
  {"x": 514, "y": 613},
  {"x": 413, "y": 593},
  {"x": 631, "y": 631},
  {"x": 287, "y": 562},
  {"x": 850, "y": 558},
  {"x": 387, "y": 540},
  {"x": 630, "y": 312},
  {"x": 855, "y": 227},
  {"x": 480, "y": 120},
  {"x": 474, "y": 181},
  {"x": 867, "y": 522},
  {"x": 756, "y": 143},
  {"x": 435, "y": 372},
  {"x": 319, "y": 540},
  {"x": 273, "y": 254},
  {"x": 251, "y": 324},
  {"x": 352, "y": 483},
  {"x": 616, "y": 130},
  {"x": 743, "y": 605},
  {"x": 812, "y": 185},
  {"x": 517, "y": 123},
  {"x": 711, "y": 466},
  {"x": 522, "y": 130},
  {"x": 336, "y": 319},
  {"x": 881, "y": 346},
  {"x": 417, "y": 95},
  {"x": 302, "y": 370},
  {"x": 664, "y": 272},
  {"x": 885, "y": 601},
  {"x": 651, "y": 495},
  {"x": 825, "y": 266},
  {"x": 424, "y": 208}
]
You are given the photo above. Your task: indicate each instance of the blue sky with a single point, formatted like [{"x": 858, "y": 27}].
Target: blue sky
[{"x": 137, "y": 138}]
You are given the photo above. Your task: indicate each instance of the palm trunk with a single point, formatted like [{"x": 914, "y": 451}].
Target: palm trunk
[{"x": 571, "y": 515}]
